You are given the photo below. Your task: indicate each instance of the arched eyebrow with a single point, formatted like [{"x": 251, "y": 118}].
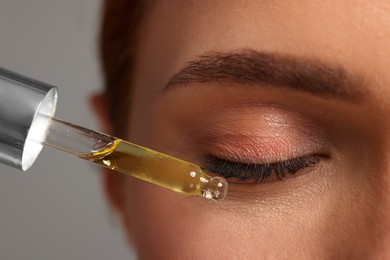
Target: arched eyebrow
[{"x": 261, "y": 69}]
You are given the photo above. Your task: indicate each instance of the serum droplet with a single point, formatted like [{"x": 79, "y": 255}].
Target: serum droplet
[{"x": 107, "y": 163}]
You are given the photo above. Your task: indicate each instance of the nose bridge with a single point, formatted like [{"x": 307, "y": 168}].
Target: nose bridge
[
  {"x": 381, "y": 242},
  {"x": 380, "y": 215}
]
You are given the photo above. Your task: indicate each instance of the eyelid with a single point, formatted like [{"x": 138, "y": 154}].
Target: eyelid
[
  {"x": 258, "y": 149},
  {"x": 271, "y": 135},
  {"x": 281, "y": 145}
]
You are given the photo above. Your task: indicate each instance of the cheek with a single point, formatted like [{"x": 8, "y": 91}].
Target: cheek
[
  {"x": 174, "y": 226},
  {"x": 169, "y": 225},
  {"x": 321, "y": 221}
]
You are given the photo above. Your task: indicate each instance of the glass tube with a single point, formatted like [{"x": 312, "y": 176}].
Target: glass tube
[{"x": 134, "y": 160}]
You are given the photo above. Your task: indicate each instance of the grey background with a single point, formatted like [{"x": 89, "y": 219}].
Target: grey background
[{"x": 57, "y": 209}]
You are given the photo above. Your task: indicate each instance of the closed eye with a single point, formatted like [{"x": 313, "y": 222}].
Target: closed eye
[{"x": 259, "y": 172}]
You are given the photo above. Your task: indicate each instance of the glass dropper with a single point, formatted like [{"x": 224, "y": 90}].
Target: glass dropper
[
  {"x": 27, "y": 122},
  {"x": 134, "y": 160}
]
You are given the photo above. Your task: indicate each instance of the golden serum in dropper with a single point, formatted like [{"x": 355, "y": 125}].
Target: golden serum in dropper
[{"x": 134, "y": 160}]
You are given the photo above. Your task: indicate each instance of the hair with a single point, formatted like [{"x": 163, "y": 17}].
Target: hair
[{"x": 118, "y": 39}]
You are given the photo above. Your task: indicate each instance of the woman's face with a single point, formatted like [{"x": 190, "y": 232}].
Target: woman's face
[{"x": 249, "y": 88}]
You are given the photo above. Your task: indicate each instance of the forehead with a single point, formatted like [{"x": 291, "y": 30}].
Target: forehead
[{"x": 355, "y": 34}]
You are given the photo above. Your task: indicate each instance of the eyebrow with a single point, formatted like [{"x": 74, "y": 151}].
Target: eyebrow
[{"x": 261, "y": 69}]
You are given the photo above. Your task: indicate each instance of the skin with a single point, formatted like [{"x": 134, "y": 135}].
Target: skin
[{"x": 337, "y": 209}]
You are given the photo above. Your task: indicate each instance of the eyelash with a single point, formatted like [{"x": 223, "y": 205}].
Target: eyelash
[{"x": 259, "y": 172}]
